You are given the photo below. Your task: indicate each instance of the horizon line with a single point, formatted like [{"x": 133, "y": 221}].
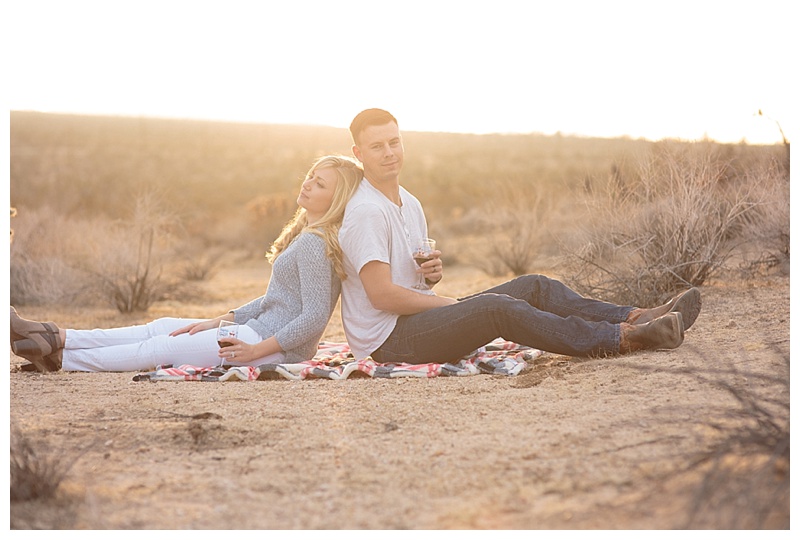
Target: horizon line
[{"x": 557, "y": 133}]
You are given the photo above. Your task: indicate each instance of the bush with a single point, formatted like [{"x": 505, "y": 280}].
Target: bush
[
  {"x": 674, "y": 226},
  {"x": 131, "y": 278},
  {"x": 85, "y": 261},
  {"x": 768, "y": 227},
  {"x": 35, "y": 474},
  {"x": 509, "y": 229},
  {"x": 43, "y": 269}
]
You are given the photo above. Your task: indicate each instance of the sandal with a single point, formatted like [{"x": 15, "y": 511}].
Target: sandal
[
  {"x": 38, "y": 342},
  {"x": 38, "y": 362},
  {"x": 14, "y": 335},
  {"x": 33, "y": 338}
]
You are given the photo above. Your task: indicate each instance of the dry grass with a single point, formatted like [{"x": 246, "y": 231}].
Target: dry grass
[
  {"x": 676, "y": 224},
  {"x": 36, "y": 472},
  {"x": 505, "y": 204}
]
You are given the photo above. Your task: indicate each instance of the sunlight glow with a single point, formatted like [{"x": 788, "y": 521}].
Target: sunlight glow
[{"x": 688, "y": 70}]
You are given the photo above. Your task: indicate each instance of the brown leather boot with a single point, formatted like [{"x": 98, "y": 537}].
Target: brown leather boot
[
  {"x": 688, "y": 304},
  {"x": 665, "y": 332}
]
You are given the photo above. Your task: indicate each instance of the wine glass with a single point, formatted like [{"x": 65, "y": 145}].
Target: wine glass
[
  {"x": 423, "y": 250},
  {"x": 226, "y": 330}
]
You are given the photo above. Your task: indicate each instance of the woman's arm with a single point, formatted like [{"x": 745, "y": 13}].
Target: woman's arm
[
  {"x": 248, "y": 311},
  {"x": 305, "y": 280}
]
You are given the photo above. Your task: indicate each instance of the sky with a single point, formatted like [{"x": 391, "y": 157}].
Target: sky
[{"x": 678, "y": 69}]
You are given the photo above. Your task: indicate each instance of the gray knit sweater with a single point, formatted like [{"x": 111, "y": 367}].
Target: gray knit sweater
[{"x": 301, "y": 296}]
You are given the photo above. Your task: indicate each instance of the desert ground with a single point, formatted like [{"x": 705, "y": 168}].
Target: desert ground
[{"x": 652, "y": 440}]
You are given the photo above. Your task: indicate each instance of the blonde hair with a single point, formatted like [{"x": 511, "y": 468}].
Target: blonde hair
[{"x": 349, "y": 173}]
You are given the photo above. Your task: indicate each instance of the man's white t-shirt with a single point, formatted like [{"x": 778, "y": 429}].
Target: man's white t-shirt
[{"x": 376, "y": 229}]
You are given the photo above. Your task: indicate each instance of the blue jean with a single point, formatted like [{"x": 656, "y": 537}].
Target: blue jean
[{"x": 531, "y": 310}]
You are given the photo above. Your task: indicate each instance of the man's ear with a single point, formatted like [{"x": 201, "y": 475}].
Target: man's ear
[{"x": 357, "y": 153}]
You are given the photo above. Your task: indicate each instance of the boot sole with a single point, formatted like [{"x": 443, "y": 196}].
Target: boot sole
[{"x": 688, "y": 304}]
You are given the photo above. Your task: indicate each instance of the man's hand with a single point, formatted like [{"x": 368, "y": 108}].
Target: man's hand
[{"x": 433, "y": 269}]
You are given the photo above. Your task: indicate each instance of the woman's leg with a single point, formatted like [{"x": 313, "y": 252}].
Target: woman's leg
[
  {"x": 200, "y": 349},
  {"x": 99, "y": 337}
]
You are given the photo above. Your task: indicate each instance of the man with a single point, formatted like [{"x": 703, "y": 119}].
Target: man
[{"x": 384, "y": 317}]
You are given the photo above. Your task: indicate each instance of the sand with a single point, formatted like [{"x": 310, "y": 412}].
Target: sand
[{"x": 570, "y": 443}]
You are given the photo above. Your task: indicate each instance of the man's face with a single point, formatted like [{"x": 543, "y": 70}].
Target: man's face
[{"x": 380, "y": 150}]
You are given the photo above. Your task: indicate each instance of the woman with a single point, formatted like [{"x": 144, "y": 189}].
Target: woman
[{"x": 283, "y": 326}]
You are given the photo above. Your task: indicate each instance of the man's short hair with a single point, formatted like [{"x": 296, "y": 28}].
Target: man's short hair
[{"x": 369, "y": 117}]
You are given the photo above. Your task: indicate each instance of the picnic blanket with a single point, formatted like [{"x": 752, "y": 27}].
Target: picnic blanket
[{"x": 335, "y": 361}]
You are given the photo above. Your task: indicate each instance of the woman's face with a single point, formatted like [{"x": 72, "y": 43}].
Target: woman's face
[{"x": 317, "y": 191}]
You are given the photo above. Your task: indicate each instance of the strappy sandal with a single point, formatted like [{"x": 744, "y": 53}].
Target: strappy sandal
[
  {"x": 39, "y": 343},
  {"x": 33, "y": 368},
  {"x": 38, "y": 362},
  {"x": 30, "y": 337}
]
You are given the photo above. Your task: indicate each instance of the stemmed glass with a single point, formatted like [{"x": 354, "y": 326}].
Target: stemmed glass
[
  {"x": 422, "y": 254},
  {"x": 226, "y": 330}
]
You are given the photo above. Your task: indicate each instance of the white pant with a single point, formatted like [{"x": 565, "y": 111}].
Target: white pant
[{"x": 141, "y": 348}]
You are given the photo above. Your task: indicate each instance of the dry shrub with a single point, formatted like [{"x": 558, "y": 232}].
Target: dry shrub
[
  {"x": 35, "y": 472},
  {"x": 128, "y": 259},
  {"x": 197, "y": 262},
  {"x": 84, "y": 261},
  {"x": 43, "y": 269},
  {"x": 509, "y": 230},
  {"x": 768, "y": 227},
  {"x": 675, "y": 226}
]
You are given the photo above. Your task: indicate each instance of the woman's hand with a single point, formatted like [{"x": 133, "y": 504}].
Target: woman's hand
[
  {"x": 196, "y": 327},
  {"x": 238, "y": 352},
  {"x": 202, "y": 325}
]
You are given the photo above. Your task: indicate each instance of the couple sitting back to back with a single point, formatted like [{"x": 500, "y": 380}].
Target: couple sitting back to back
[{"x": 354, "y": 232}]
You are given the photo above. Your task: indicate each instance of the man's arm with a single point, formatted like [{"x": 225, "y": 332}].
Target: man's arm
[{"x": 386, "y": 296}]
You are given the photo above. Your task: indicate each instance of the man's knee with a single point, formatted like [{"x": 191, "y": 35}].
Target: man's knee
[
  {"x": 493, "y": 302},
  {"x": 528, "y": 286},
  {"x": 533, "y": 278}
]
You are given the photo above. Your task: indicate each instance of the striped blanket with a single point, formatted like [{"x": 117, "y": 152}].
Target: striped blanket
[{"x": 334, "y": 361}]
